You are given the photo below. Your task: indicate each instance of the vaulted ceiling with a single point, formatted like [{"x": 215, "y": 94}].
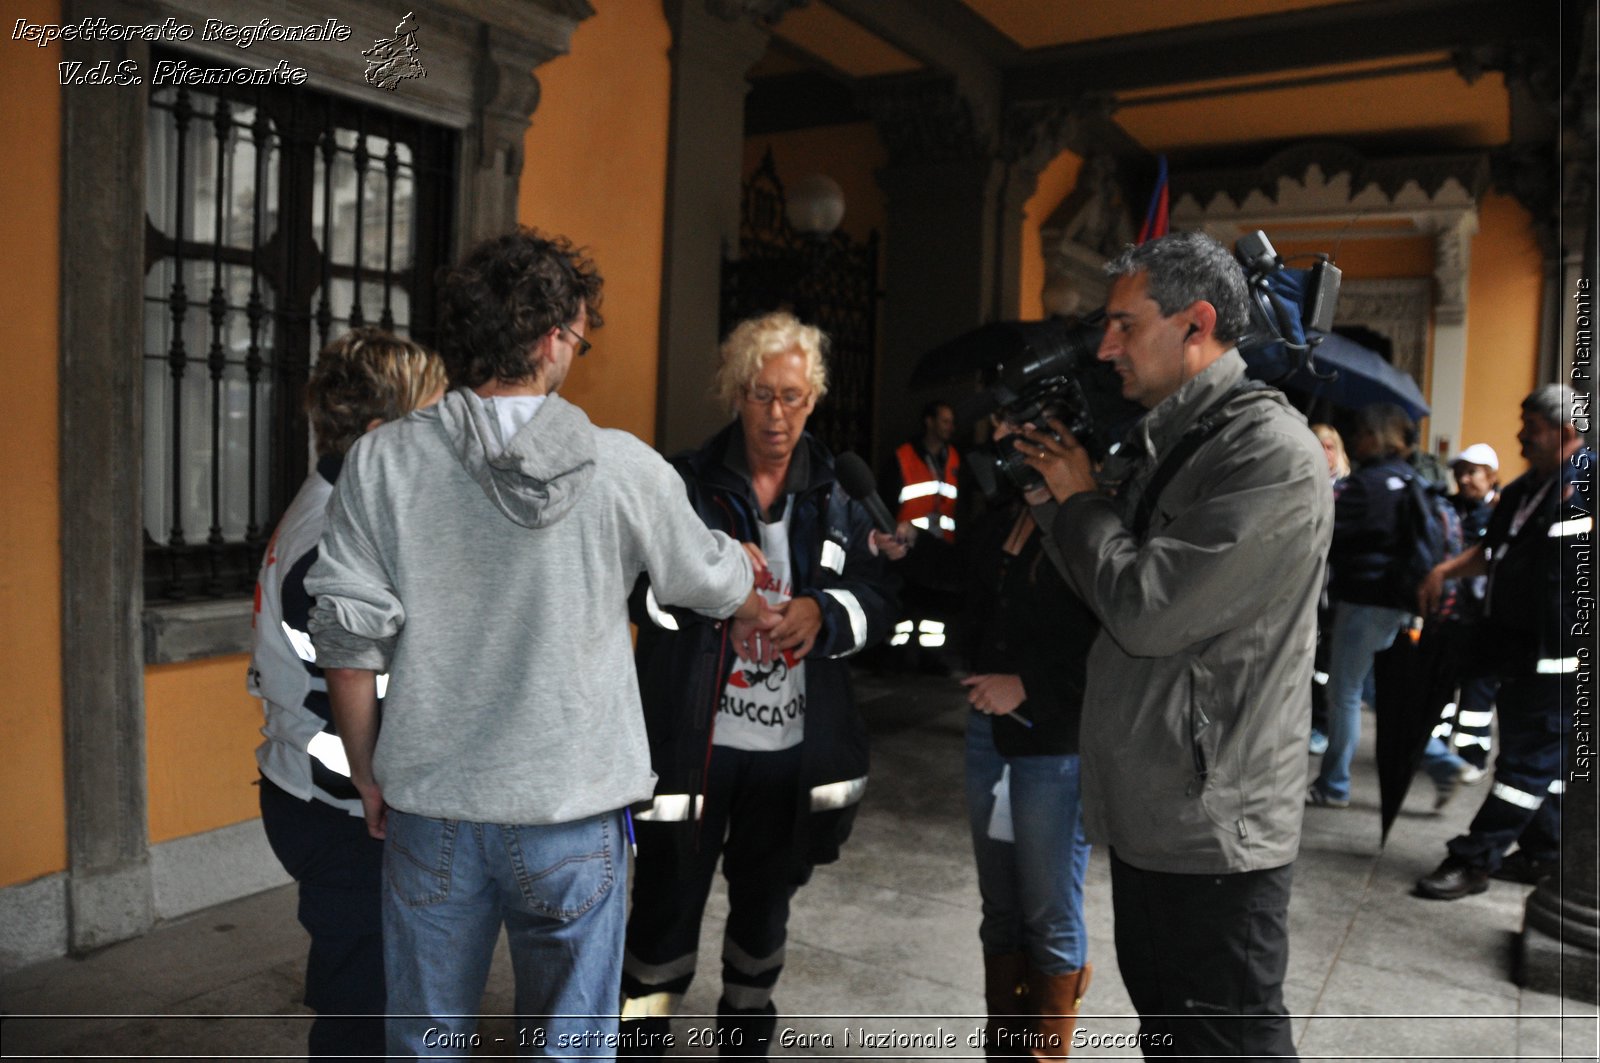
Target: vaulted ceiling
[{"x": 1200, "y": 80}]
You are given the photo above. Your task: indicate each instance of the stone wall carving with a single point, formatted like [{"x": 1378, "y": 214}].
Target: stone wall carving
[
  {"x": 1091, "y": 224},
  {"x": 1398, "y": 309}
]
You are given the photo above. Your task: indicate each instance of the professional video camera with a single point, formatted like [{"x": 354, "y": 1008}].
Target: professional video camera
[{"x": 1039, "y": 369}]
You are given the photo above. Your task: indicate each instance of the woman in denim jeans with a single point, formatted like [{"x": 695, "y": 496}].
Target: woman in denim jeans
[
  {"x": 1367, "y": 611},
  {"x": 1026, "y": 641}
]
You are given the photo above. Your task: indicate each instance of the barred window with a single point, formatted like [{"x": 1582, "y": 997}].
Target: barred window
[{"x": 275, "y": 219}]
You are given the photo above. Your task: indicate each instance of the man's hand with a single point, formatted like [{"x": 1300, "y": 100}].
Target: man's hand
[
  {"x": 353, "y": 697},
  {"x": 1059, "y": 457},
  {"x": 891, "y": 546},
  {"x": 802, "y": 621},
  {"x": 1429, "y": 591},
  {"x": 1464, "y": 565},
  {"x": 995, "y": 695},
  {"x": 752, "y": 638},
  {"x": 374, "y": 808}
]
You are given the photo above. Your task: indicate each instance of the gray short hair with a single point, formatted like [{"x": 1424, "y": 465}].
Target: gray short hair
[
  {"x": 1553, "y": 402},
  {"x": 1185, "y": 267}
]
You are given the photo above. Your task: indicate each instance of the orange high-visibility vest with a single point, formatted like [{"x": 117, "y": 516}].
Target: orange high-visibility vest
[{"x": 928, "y": 503}]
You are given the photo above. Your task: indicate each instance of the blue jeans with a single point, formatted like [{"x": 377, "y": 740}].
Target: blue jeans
[
  {"x": 1360, "y": 633},
  {"x": 1439, "y": 763},
  {"x": 448, "y": 887},
  {"x": 1032, "y": 888}
]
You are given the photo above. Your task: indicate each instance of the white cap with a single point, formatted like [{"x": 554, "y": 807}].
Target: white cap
[{"x": 1478, "y": 454}]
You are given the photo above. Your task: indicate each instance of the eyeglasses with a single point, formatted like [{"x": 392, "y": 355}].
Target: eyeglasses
[
  {"x": 583, "y": 345},
  {"x": 763, "y": 397}
]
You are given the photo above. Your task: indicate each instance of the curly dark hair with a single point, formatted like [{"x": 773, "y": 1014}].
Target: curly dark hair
[{"x": 504, "y": 296}]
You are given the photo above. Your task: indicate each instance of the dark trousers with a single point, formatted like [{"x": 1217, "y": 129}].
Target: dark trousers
[
  {"x": 339, "y": 867},
  {"x": 1520, "y": 807},
  {"x": 748, "y": 821},
  {"x": 1203, "y": 958}
]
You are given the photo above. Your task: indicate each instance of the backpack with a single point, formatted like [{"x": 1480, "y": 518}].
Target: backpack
[{"x": 1428, "y": 530}]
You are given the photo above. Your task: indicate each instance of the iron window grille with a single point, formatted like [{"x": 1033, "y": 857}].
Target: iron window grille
[{"x": 275, "y": 219}]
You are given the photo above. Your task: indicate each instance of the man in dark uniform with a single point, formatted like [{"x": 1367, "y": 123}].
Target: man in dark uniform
[{"x": 1530, "y": 618}]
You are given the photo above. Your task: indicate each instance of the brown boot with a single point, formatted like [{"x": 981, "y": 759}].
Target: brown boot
[
  {"x": 1005, "y": 991},
  {"x": 1057, "y": 998}
]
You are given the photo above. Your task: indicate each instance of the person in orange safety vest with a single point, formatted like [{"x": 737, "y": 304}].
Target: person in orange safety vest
[{"x": 921, "y": 481}]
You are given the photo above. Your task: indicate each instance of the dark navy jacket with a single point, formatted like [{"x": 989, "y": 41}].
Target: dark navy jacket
[
  {"x": 1366, "y": 538},
  {"x": 684, "y": 660},
  {"x": 1536, "y": 620}
]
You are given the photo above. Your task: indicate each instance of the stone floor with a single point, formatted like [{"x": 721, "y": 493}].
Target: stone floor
[{"x": 886, "y": 941}]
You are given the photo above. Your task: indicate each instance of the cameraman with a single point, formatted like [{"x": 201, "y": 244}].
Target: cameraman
[{"x": 1204, "y": 568}]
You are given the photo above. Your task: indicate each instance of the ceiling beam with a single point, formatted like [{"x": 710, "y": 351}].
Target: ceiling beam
[
  {"x": 949, "y": 38},
  {"x": 945, "y": 34},
  {"x": 1370, "y": 29}
]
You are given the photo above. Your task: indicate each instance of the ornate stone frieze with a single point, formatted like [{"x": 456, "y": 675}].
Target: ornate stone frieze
[
  {"x": 1398, "y": 309},
  {"x": 1311, "y": 173}
]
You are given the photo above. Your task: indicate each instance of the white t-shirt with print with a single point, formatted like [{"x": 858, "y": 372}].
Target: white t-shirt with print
[{"x": 763, "y": 707}]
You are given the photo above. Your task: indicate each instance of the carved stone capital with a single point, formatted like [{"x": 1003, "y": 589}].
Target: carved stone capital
[
  {"x": 927, "y": 121},
  {"x": 1531, "y": 174},
  {"x": 1452, "y": 244},
  {"x": 1528, "y": 65},
  {"x": 506, "y": 94},
  {"x": 1579, "y": 142}
]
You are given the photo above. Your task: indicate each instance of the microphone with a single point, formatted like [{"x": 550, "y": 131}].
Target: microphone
[{"x": 857, "y": 481}]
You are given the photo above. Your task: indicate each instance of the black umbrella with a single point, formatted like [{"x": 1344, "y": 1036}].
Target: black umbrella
[
  {"x": 1414, "y": 681},
  {"x": 1359, "y": 377}
]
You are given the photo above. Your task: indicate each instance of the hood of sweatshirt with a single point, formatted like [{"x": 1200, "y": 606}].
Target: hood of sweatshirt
[{"x": 543, "y": 469}]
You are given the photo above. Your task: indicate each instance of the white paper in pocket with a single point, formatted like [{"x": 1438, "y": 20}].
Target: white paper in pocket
[{"x": 1000, "y": 819}]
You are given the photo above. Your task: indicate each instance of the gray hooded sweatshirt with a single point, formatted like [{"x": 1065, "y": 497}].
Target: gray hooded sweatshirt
[{"x": 493, "y": 591}]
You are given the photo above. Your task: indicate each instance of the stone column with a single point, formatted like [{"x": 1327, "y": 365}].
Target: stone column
[
  {"x": 714, "y": 45},
  {"x": 1559, "y": 949},
  {"x": 941, "y": 243},
  {"x": 1447, "y": 392},
  {"x": 110, "y": 891}
]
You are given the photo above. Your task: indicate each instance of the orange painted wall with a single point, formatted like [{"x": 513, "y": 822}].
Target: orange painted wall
[
  {"x": 1504, "y": 288},
  {"x": 33, "y": 838},
  {"x": 1372, "y": 259},
  {"x": 850, "y": 154},
  {"x": 596, "y": 171},
  {"x": 1055, "y": 184},
  {"x": 200, "y": 736}
]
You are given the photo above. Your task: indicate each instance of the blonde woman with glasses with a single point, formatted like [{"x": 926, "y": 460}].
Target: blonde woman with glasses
[{"x": 760, "y": 751}]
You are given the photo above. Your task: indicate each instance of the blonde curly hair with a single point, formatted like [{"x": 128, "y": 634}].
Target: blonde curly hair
[
  {"x": 363, "y": 375},
  {"x": 756, "y": 339}
]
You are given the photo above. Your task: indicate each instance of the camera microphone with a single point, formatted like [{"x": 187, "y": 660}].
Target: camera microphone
[{"x": 857, "y": 481}]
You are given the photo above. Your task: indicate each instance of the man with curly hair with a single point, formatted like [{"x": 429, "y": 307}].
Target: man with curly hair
[{"x": 481, "y": 554}]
